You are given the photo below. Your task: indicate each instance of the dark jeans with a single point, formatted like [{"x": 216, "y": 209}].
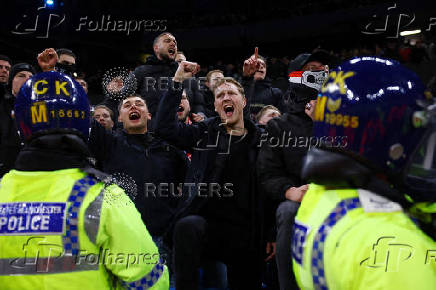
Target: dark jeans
[
  {"x": 285, "y": 216},
  {"x": 195, "y": 243}
]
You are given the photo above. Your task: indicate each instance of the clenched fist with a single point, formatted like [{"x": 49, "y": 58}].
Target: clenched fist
[
  {"x": 47, "y": 59},
  {"x": 186, "y": 70}
]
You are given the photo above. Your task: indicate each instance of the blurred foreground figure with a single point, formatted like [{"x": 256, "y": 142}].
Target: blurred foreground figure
[
  {"x": 61, "y": 227},
  {"x": 367, "y": 220}
]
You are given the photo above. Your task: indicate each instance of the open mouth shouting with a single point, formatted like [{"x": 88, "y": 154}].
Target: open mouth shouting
[
  {"x": 172, "y": 52},
  {"x": 133, "y": 116},
  {"x": 228, "y": 110}
]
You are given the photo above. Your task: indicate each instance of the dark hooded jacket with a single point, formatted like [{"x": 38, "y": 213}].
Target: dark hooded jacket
[
  {"x": 261, "y": 93},
  {"x": 285, "y": 144},
  {"x": 10, "y": 142},
  {"x": 152, "y": 80},
  {"x": 142, "y": 164}
]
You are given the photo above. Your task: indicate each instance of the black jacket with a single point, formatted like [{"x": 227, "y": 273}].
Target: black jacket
[
  {"x": 10, "y": 143},
  {"x": 209, "y": 100},
  {"x": 284, "y": 145},
  {"x": 147, "y": 161},
  {"x": 260, "y": 93},
  {"x": 208, "y": 143},
  {"x": 152, "y": 80}
]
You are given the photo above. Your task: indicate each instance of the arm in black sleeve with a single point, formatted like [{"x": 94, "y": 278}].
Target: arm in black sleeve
[
  {"x": 195, "y": 97},
  {"x": 139, "y": 75},
  {"x": 168, "y": 126},
  {"x": 248, "y": 85},
  {"x": 277, "y": 97},
  {"x": 273, "y": 176},
  {"x": 100, "y": 142}
]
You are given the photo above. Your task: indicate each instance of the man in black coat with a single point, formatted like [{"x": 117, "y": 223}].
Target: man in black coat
[
  {"x": 152, "y": 77},
  {"x": 220, "y": 218},
  {"x": 284, "y": 145},
  {"x": 149, "y": 169},
  {"x": 258, "y": 87}
]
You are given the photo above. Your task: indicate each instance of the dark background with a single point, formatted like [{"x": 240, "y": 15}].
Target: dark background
[{"x": 208, "y": 32}]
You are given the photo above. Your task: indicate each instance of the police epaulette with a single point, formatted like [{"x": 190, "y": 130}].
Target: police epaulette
[{"x": 97, "y": 174}]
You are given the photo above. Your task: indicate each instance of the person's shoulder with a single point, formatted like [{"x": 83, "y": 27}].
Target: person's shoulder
[{"x": 278, "y": 124}]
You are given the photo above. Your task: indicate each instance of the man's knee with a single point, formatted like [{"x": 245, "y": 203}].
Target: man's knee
[{"x": 286, "y": 211}]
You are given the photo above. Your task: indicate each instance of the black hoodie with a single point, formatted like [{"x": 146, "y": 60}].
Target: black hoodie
[
  {"x": 152, "y": 80},
  {"x": 10, "y": 143},
  {"x": 261, "y": 93}
]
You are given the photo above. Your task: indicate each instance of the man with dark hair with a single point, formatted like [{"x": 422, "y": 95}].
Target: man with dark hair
[
  {"x": 67, "y": 62},
  {"x": 66, "y": 56},
  {"x": 152, "y": 77},
  {"x": 63, "y": 60},
  {"x": 147, "y": 168},
  {"x": 146, "y": 160},
  {"x": 219, "y": 225},
  {"x": 5, "y": 67},
  {"x": 83, "y": 83},
  {"x": 280, "y": 166},
  {"x": 258, "y": 86},
  {"x": 10, "y": 143}
]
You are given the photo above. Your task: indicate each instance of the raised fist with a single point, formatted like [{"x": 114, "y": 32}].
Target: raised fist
[
  {"x": 186, "y": 70},
  {"x": 47, "y": 59}
]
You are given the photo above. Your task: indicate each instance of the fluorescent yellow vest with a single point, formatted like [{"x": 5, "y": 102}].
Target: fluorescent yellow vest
[
  {"x": 354, "y": 239},
  {"x": 65, "y": 230}
]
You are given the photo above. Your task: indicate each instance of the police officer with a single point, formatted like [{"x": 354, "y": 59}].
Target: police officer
[
  {"x": 61, "y": 227},
  {"x": 366, "y": 221}
]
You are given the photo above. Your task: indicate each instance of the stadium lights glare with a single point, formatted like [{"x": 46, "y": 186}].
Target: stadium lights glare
[{"x": 410, "y": 32}]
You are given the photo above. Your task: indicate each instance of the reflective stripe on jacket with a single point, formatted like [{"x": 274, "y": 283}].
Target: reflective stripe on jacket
[
  {"x": 355, "y": 239},
  {"x": 65, "y": 230}
]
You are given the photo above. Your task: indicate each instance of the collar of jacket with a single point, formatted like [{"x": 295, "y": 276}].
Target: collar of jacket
[
  {"x": 53, "y": 152},
  {"x": 139, "y": 139},
  {"x": 300, "y": 119},
  {"x": 347, "y": 173},
  {"x": 266, "y": 82}
]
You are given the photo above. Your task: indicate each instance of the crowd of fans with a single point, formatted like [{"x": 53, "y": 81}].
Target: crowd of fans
[{"x": 160, "y": 140}]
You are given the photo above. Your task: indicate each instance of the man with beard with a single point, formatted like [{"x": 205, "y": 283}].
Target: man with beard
[
  {"x": 279, "y": 167},
  {"x": 257, "y": 86},
  {"x": 152, "y": 77},
  {"x": 220, "y": 218}
]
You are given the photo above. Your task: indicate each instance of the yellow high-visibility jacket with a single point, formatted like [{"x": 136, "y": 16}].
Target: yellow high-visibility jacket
[
  {"x": 66, "y": 230},
  {"x": 355, "y": 239}
]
